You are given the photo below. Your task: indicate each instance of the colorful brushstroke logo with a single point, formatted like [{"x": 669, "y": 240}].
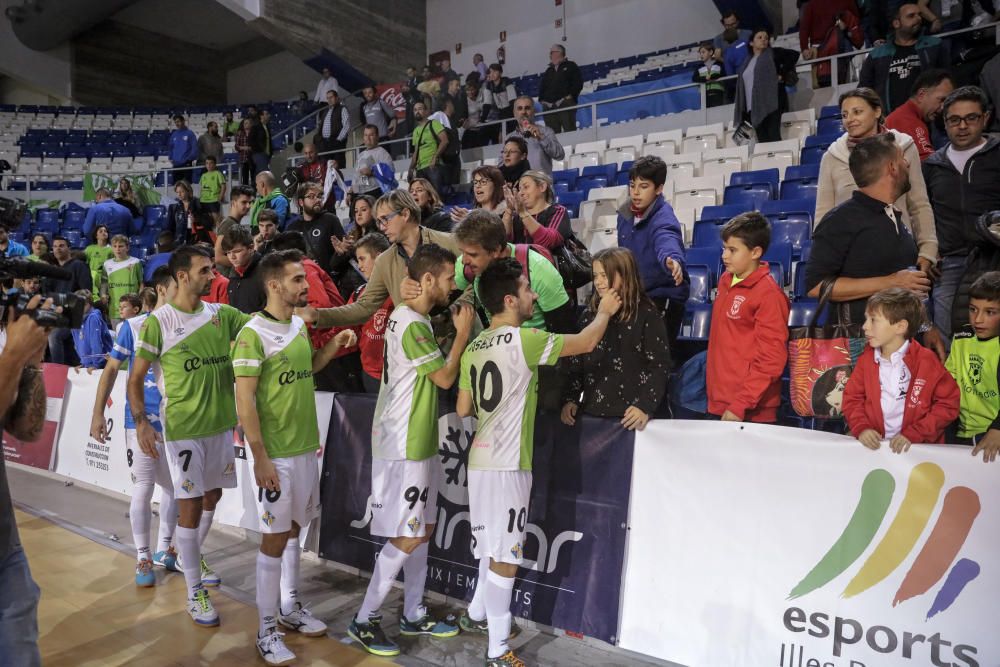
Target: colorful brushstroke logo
[{"x": 958, "y": 512}]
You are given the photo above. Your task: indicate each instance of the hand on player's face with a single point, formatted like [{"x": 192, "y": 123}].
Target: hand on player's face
[{"x": 610, "y": 303}]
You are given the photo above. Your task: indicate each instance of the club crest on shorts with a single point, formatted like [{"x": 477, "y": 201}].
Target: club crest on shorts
[
  {"x": 188, "y": 485},
  {"x": 414, "y": 524},
  {"x": 516, "y": 551},
  {"x": 267, "y": 518}
]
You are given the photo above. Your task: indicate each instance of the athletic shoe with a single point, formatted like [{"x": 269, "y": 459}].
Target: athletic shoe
[
  {"x": 144, "y": 576},
  {"x": 467, "y": 624},
  {"x": 273, "y": 650},
  {"x": 302, "y": 620},
  {"x": 167, "y": 559},
  {"x": 428, "y": 625},
  {"x": 508, "y": 659},
  {"x": 372, "y": 637},
  {"x": 201, "y": 609},
  {"x": 208, "y": 575}
]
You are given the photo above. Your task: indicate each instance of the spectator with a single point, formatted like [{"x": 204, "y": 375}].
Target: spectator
[
  {"x": 862, "y": 245},
  {"x": 474, "y": 136},
  {"x": 40, "y": 247},
  {"x": 126, "y": 197},
  {"x": 269, "y": 195},
  {"x": 429, "y": 86},
  {"x": 514, "y": 159},
  {"x": 861, "y": 111},
  {"x": 245, "y": 292},
  {"x": 707, "y": 73},
  {"x": 96, "y": 254},
  {"x": 371, "y": 334},
  {"x": 212, "y": 186},
  {"x": 312, "y": 169},
  {"x": 365, "y": 182},
  {"x": 962, "y": 183},
  {"x": 31, "y": 286},
  {"x": 827, "y": 28},
  {"x": 92, "y": 341},
  {"x": 303, "y": 105},
  {"x": 432, "y": 213},
  {"x": 532, "y": 214},
  {"x": 625, "y": 377},
  {"x": 761, "y": 97},
  {"x": 377, "y": 112},
  {"x": 252, "y": 114},
  {"x": 973, "y": 362},
  {"x": 185, "y": 217},
  {"x": 447, "y": 73},
  {"x": 498, "y": 99},
  {"x": 319, "y": 227},
  {"x": 332, "y": 127},
  {"x": 731, "y": 33},
  {"x": 105, "y": 211},
  {"x": 923, "y": 108},
  {"x": 560, "y": 87},
  {"x": 260, "y": 142},
  {"x": 543, "y": 146},
  {"x": 183, "y": 149},
  {"x": 480, "y": 66},
  {"x": 891, "y": 68},
  {"x": 430, "y": 139},
  {"x": 648, "y": 227},
  {"x": 487, "y": 193},
  {"x": 61, "y": 349},
  {"x": 164, "y": 248},
  {"x": 989, "y": 80},
  {"x": 744, "y": 382},
  {"x": 9, "y": 247},
  {"x": 363, "y": 222},
  {"x": 239, "y": 206},
  {"x": 124, "y": 273},
  {"x": 327, "y": 84},
  {"x": 267, "y": 225},
  {"x": 230, "y": 127},
  {"x": 210, "y": 144},
  {"x": 456, "y": 97},
  {"x": 899, "y": 391},
  {"x": 412, "y": 82},
  {"x": 129, "y": 306},
  {"x": 245, "y": 152}
]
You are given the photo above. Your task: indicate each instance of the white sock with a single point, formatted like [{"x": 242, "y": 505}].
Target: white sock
[
  {"x": 290, "y": 560},
  {"x": 498, "y": 593},
  {"x": 168, "y": 519},
  {"x": 205, "y": 525},
  {"x": 187, "y": 547},
  {"x": 268, "y": 582},
  {"x": 141, "y": 516},
  {"x": 388, "y": 564},
  {"x": 477, "y": 608},
  {"x": 414, "y": 577}
]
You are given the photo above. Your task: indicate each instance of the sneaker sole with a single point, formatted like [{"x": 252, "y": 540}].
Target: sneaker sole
[
  {"x": 210, "y": 584},
  {"x": 374, "y": 651},
  {"x": 151, "y": 585},
  {"x": 289, "y": 626},
  {"x": 206, "y": 624},
  {"x": 277, "y": 664},
  {"x": 428, "y": 633}
]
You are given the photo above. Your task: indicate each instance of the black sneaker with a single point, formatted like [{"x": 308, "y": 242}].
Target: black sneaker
[{"x": 372, "y": 637}]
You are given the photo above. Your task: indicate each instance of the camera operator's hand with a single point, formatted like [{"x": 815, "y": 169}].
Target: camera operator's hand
[
  {"x": 26, "y": 339},
  {"x": 147, "y": 439}
]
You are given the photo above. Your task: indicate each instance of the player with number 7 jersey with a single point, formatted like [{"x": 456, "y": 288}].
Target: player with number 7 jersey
[{"x": 498, "y": 384}]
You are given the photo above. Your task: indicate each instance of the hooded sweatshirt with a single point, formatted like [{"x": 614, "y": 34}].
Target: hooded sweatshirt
[{"x": 836, "y": 185}]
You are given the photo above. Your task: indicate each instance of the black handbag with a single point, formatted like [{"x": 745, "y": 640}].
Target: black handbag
[{"x": 574, "y": 262}]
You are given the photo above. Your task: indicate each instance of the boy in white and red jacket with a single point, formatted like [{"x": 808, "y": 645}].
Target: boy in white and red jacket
[
  {"x": 899, "y": 390},
  {"x": 748, "y": 341}
]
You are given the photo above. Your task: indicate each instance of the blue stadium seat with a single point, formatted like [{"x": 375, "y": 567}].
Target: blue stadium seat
[
  {"x": 789, "y": 209},
  {"x": 73, "y": 218},
  {"x": 831, "y": 125},
  {"x": 708, "y": 257},
  {"x": 74, "y": 237},
  {"x": 797, "y": 171},
  {"x": 696, "y": 323},
  {"x": 567, "y": 176},
  {"x": 799, "y": 188},
  {"x": 799, "y": 291},
  {"x": 572, "y": 200},
  {"x": 778, "y": 273},
  {"x": 560, "y": 188},
  {"x": 621, "y": 178},
  {"x": 801, "y": 313},
  {"x": 812, "y": 154},
  {"x": 719, "y": 214},
  {"x": 829, "y": 111},
  {"x": 761, "y": 176},
  {"x": 748, "y": 197},
  {"x": 793, "y": 232},
  {"x": 701, "y": 283},
  {"x": 72, "y": 185},
  {"x": 47, "y": 216},
  {"x": 586, "y": 184},
  {"x": 780, "y": 253},
  {"x": 706, "y": 234},
  {"x": 606, "y": 170},
  {"x": 154, "y": 215}
]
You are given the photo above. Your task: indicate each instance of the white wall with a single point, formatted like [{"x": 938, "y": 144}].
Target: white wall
[
  {"x": 596, "y": 30},
  {"x": 46, "y": 72},
  {"x": 277, "y": 77}
]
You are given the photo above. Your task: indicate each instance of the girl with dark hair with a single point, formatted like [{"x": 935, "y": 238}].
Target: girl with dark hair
[
  {"x": 626, "y": 375},
  {"x": 98, "y": 252},
  {"x": 487, "y": 193}
]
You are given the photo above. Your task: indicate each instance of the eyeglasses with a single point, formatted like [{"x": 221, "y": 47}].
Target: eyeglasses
[
  {"x": 313, "y": 196},
  {"x": 481, "y": 181},
  {"x": 511, "y": 152},
  {"x": 383, "y": 220},
  {"x": 971, "y": 119}
]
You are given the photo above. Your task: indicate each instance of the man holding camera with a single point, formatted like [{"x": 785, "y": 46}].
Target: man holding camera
[{"x": 22, "y": 413}]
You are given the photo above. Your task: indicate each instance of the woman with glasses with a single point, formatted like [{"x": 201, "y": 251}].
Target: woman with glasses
[
  {"x": 532, "y": 214},
  {"x": 862, "y": 114},
  {"x": 432, "y": 213},
  {"x": 514, "y": 159},
  {"x": 487, "y": 193}
]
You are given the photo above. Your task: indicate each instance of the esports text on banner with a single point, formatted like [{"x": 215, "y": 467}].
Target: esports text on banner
[
  {"x": 41, "y": 453},
  {"x": 800, "y": 547},
  {"x": 575, "y": 542}
]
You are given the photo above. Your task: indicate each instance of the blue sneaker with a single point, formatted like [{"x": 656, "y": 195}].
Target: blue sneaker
[
  {"x": 372, "y": 637},
  {"x": 428, "y": 625},
  {"x": 144, "y": 577},
  {"x": 167, "y": 559}
]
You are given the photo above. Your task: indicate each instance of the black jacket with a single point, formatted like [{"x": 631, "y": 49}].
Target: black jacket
[
  {"x": 933, "y": 54},
  {"x": 984, "y": 256},
  {"x": 81, "y": 278},
  {"x": 559, "y": 82},
  {"x": 258, "y": 139},
  {"x": 246, "y": 292},
  {"x": 959, "y": 199},
  {"x": 318, "y": 233}
]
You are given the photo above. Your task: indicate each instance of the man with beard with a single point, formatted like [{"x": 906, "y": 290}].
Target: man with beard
[
  {"x": 318, "y": 226},
  {"x": 543, "y": 146},
  {"x": 891, "y": 69},
  {"x": 312, "y": 170},
  {"x": 210, "y": 144},
  {"x": 924, "y": 106}
]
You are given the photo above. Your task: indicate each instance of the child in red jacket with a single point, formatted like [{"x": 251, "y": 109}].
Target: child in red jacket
[
  {"x": 899, "y": 390},
  {"x": 748, "y": 340}
]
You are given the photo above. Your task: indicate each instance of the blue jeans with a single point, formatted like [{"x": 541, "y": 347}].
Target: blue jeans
[
  {"x": 952, "y": 269},
  {"x": 18, "y": 613}
]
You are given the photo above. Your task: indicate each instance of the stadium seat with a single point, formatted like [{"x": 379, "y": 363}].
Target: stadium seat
[
  {"x": 634, "y": 142},
  {"x": 797, "y": 124},
  {"x": 794, "y": 233},
  {"x": 700, "y": 277},
  {"x": 829, "y": 111},
  {"x": 585, "y": 185},
  {"x": 567, "y": 176},
  {"x": 696, "y": 323},
  {"x": 812, "y": 154},
  {"x": 601, "y": 201},
  {"x": 705, "y": 234},
  {"x": 697, "y": 192},
  {"x": 789, "y": 209},
  {"x": 799, "y": 188},
  {"x": 802, "y": 171},
  {"x": 686, "y": 216},
  {"x": 584, "y": 160},
  {"x": 710, "y": 257},
  {"x": 608, "y": 171},
  {"x": 73, "y": 218},
  {"x": 719, "y": 214},
  {"x": 780, "y": 253},
  {"x": 620, "y": 155},
  {"x": 597, "y": 147},
  {"x": 683, "y": 164},
  {"x": 832, "y": 125},
  {"x": 801, "y": 313},
  {"x": 749, "y": 197},
  {"x": 767, "y": 177},
  {"x": 572, "y": 200}
]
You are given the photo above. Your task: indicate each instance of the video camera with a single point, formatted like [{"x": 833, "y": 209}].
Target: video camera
[{"x": 70, "y": 315}]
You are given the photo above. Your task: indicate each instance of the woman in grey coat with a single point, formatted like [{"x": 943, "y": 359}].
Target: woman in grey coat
[{"x": 760, "y": 90}]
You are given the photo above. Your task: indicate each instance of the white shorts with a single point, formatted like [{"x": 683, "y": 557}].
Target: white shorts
[
  {"x": 197, "y": 466},
  {"x": 498, "y": 512},
  {"x": 144, "y": 468},
  {"x": 297, "y": 498},
  {"x": 404, "y": 496}
]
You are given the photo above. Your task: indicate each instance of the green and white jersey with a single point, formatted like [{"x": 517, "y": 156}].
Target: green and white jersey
[
  {"x": 193, "y": 368},
  {"x": 279, "y": 354},
  {"x": 124, "y": 277},
  {"x": 406, "y": 414},
  {"x": 973, "y": 364},
  {"x": 500, "y": 369}
]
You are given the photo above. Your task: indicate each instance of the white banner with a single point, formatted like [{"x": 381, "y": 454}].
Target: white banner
[{"x": 761, "y": 545}]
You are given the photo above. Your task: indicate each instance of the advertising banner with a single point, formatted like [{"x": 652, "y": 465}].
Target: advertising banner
[
  {"x": 41, "y": 453},
  {"x": 763, "y": 545},
  {"x": 393, "y": 96}
]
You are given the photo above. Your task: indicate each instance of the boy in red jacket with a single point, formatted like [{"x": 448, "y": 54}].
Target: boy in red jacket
[
  {"x": 371, "y": 334},
  {"x": 748, "y": 341},
  {"x": 899, "y": 390}
]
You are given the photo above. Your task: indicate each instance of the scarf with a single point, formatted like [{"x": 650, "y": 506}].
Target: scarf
[
  {"x": 851, "y": 142},
  {"x": 513, "y": 174},
  {"x": 260, "y": 204}
]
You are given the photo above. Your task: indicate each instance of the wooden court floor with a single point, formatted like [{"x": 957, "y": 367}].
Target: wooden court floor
[{"x": 92, "y": 615}]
